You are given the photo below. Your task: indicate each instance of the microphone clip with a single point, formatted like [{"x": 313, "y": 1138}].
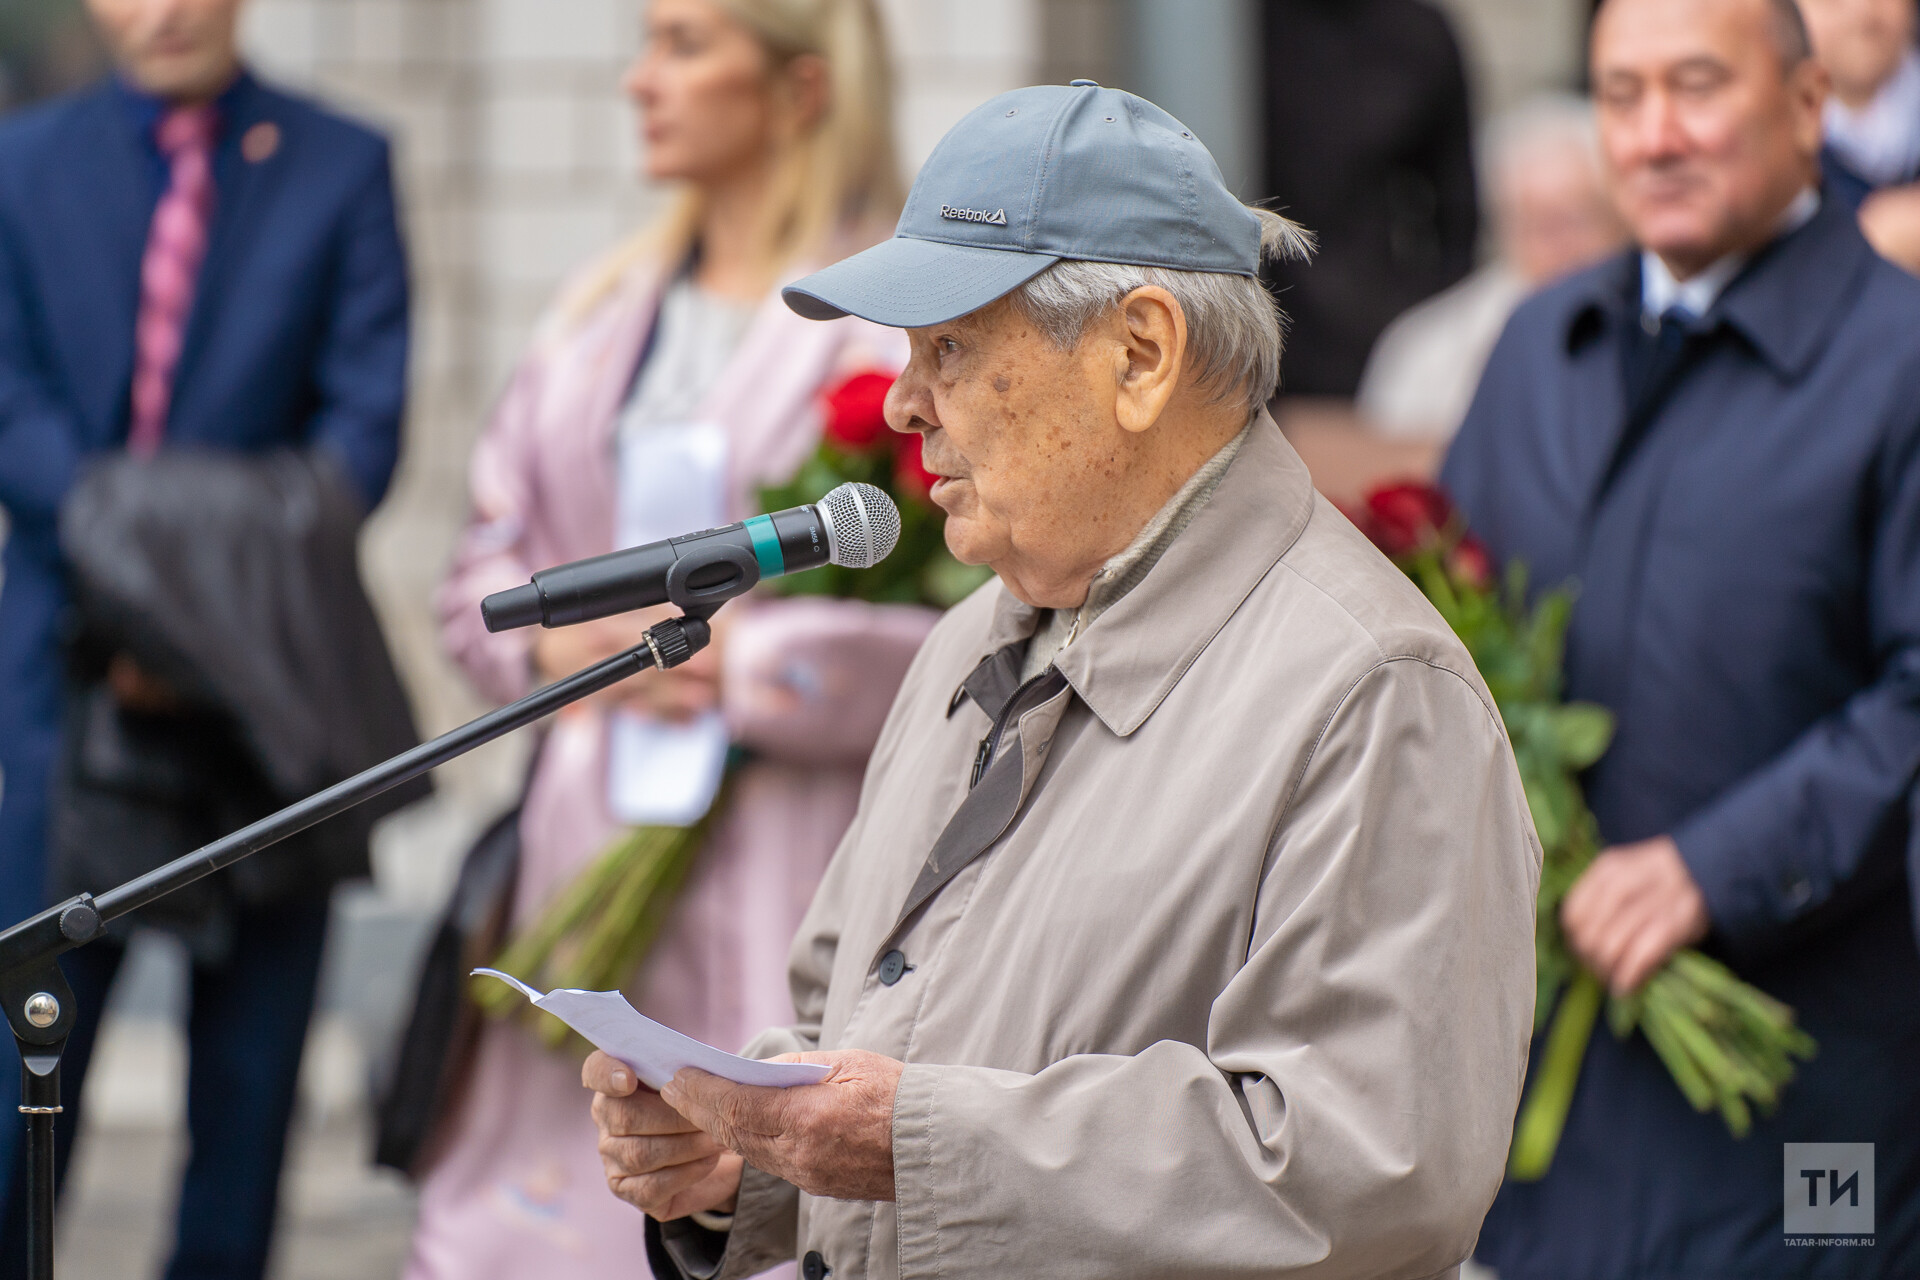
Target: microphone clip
[{"x": 709, "y": 573}]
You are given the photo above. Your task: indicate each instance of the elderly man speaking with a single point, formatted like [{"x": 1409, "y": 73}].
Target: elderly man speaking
[{"x": 1186, "y": 924}]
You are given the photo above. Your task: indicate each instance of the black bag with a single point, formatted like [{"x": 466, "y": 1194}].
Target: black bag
[
  {"x": 436, "y": 1051},
  {"x": 134, "y": 791},
  {"x": 233, "y": 579}
]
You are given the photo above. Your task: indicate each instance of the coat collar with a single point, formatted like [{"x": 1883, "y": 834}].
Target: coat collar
[
  {"x": 103, "y": 195},
  {"x": 143, "y": 110},
  {"x": 1786, "y": 302},
  {"x": 1130, "y": 658}
]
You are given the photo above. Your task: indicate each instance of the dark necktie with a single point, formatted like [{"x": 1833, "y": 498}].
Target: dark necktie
[
  {"x": 1652, "y": 360},
  {"x": 995, "y": 789},
  {"x": 1654, "y": 357}
]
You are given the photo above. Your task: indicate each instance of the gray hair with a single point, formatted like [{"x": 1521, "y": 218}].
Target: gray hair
[{"x": 1234, "y": 328}]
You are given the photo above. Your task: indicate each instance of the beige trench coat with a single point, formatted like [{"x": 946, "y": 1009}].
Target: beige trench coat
[{"x": 1246, "y": 985}]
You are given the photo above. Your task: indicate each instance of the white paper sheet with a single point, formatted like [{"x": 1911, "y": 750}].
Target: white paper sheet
[{"x": 654, "y": 1051}]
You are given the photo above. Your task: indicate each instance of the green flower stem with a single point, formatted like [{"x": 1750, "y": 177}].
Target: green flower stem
[
  {"x": 595, "y": 933},
  {"x": 1656, "y": 1023},
  {"x": 1711, "y": 975},
  {"x": 1722, "y": 1070},
  {"x": 527, "y": 952},
  {"x": 1537, "y": 1133}
]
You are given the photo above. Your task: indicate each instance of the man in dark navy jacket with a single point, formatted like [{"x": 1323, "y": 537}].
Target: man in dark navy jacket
[
  {"x": 1718, "y": 438},
  {"x": 187, "y": 258}
]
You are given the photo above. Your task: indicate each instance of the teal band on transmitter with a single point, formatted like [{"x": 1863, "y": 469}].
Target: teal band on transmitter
[{"x": 766, "y": 546}]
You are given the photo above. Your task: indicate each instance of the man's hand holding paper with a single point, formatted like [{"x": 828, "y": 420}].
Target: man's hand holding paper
[
  {"x": 656, "y": 1160},
  {"x": 680, "y": 1151}
]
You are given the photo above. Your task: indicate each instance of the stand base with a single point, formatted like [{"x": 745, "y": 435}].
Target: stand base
[{"x": 40, "y": 1086}]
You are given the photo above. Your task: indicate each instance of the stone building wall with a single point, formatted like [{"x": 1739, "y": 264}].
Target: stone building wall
[{"x": 1516, "y": 48}]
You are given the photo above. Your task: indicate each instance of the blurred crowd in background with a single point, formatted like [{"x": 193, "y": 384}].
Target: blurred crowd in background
[{"x": 579, "y": 235}]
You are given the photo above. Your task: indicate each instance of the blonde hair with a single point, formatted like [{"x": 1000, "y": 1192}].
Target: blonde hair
[{"x": 839, "y": 179}]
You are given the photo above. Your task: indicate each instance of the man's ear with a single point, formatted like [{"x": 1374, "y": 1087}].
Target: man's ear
[
  {"x": 1809, "y": 84},
  {"x": 1152, "y": 331}
]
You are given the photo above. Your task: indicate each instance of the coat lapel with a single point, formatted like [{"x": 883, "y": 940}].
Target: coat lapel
[
  {"x": 109, "y": 204},
  {"x": 238, "y": 184},
  {"x": 1600, "y": 429},
  {"x": 992, "y": 803},
  {"x": 594, "y": 370}
]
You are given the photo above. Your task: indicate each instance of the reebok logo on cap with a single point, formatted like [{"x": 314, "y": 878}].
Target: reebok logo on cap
[{"x": 997, "y": 218}]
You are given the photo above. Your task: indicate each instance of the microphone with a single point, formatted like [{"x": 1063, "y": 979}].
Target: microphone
[{"x": 855, "y": 525}]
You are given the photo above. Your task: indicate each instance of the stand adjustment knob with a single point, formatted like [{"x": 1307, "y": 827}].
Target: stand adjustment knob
[
  {"x": 42, "y": 1009},
  {"x": 669, "y": 643},
  {"x": 80, "y": 922}
]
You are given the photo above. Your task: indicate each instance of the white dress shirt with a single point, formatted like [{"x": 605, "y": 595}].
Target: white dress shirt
[
  {"x": 1881, "y": 141},
  {"x": 1660, "y": 292}
]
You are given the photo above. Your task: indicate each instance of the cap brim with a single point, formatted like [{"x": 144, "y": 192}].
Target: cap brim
[{"x": 908, "y": 284}]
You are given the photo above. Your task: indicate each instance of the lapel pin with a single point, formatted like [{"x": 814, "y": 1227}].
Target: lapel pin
[{"x": 260, "y": 142}]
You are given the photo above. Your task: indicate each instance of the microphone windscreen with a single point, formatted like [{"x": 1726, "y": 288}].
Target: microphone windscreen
[{"x": 862, "y": 523}]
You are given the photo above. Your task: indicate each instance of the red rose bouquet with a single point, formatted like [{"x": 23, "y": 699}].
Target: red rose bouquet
[
  {"x": 1727, "y": 1045},
  {"x": 856, "y": 444}
]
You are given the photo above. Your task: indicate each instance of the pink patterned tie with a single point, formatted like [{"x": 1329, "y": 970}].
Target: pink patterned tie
[{"x": 176, "y": 244}]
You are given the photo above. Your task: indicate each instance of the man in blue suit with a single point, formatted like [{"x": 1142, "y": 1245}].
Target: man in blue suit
[
  {"x": 250, "y": 295},
  {"x": 1717, "y": 437}
]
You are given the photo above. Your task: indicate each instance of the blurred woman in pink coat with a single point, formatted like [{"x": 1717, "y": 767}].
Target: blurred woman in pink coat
[{"x": 665, "y": 387}]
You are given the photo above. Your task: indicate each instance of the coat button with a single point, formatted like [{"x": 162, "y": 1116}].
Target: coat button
[
  {"x": 813, "y": 1266},
  {"x": 1798, "y": 893},
  {"x": 892, "y": 965}
]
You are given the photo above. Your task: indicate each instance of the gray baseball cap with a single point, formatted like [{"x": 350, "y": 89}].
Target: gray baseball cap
[{"x": 1029, "y": 178}]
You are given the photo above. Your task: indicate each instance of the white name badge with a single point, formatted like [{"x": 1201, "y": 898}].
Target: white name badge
[
  {"x": 672, "y": 482},
  {"x": 662, "y": 774}
]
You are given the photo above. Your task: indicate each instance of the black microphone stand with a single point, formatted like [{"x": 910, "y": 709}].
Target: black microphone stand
[{"x": 40, "y": 1006}]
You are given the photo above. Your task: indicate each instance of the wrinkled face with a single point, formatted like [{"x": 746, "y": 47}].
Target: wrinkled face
[
  {"x": 1861, "y": 42},
  {"x": 184, "y": 50},
  {"x": 1553, "y": 212},
  {"x": 1025, "y": 439},
  {"x": 1707, "y": 136},
  {"x": 703, "y": 83}
]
